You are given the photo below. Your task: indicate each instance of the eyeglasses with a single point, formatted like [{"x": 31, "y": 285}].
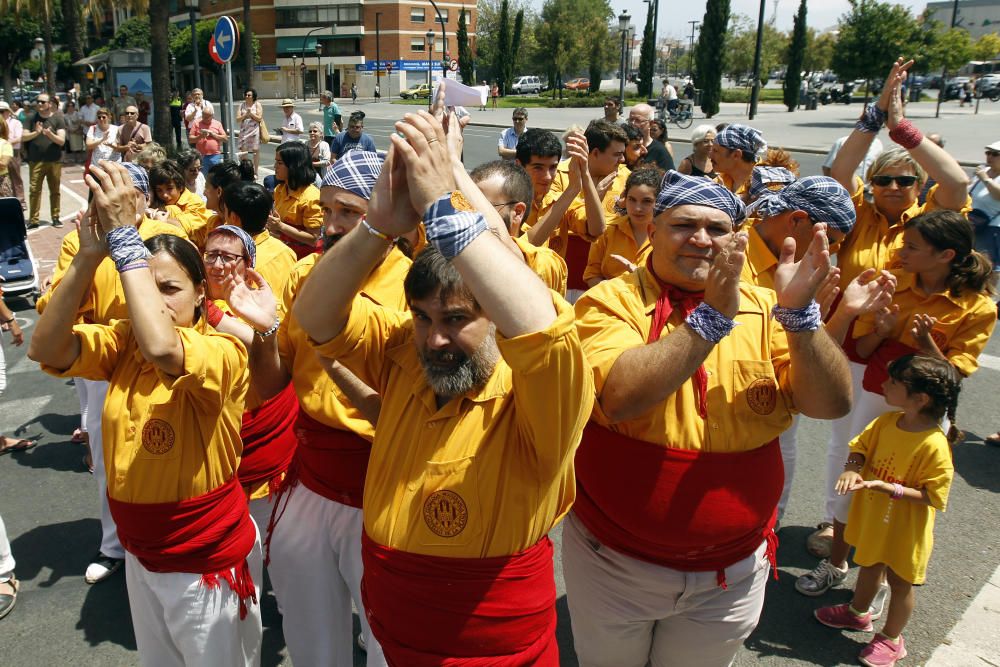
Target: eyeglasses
[
  {"x": 992, "y": 153},
  {"x": 212, "y": 257},
  {"x": 499, "y": 207},
  {"x": 519, "y": 118},
  {"x": 901, "y": 181}
]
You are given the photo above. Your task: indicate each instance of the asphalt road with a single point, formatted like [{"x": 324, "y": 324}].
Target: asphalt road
[{"x": 49, "y": 504}]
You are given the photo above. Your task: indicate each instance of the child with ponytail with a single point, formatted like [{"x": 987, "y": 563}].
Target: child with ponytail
[
  {"x": 898, "y": 473},
  {"x": 941, "y": 308}
]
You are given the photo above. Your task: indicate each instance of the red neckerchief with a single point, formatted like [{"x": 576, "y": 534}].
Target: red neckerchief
[{"x": 672, "y": 297}]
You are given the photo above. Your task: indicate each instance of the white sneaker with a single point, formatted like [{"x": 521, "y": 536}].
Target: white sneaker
[
  {"x": 101, "y": 568},
  {"x": 361, "y": 642},
  {"x": 878, "y": 602}
]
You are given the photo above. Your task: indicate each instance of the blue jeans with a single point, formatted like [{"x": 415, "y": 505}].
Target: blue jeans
[
  {"x": 209, "y": 161},
  {"x": 988, "y": 242}
]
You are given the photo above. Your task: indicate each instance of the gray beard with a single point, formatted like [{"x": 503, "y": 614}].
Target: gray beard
[{"x": 472, "y": 372}]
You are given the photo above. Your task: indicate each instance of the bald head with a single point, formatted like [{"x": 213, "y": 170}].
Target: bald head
[{"x": 639, "y": 117}]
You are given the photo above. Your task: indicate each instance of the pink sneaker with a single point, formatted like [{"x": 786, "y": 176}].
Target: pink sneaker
[
  {"x": 841, "y": 616},
  {"x": 881, "y": 652}
]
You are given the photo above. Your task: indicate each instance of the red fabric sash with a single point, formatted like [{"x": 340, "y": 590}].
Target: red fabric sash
[
  {"x": 687, "y": 510},
  {"x": 268, "y": 438},
  {"x": 462, "y": 612},
  {"x": 671, "y": 297},
  {"x": 877, "y": 370},
  {"x": 577, "y": 254},
  {"x": 329, "y": 461},
  {"x": 209, "y": 535},
  {"x": 301, "y": 249}
]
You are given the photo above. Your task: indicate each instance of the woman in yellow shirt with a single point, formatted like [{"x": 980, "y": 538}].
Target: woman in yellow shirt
[
  {"x": 297, "y": 218},
  {"x": 624, "y": 243},
  {"x": 173, "y": 414},
  {"x": 179, "y": 205}
]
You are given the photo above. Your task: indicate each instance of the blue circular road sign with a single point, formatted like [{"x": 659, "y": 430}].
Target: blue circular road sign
[{"x": 227, "y": 38}]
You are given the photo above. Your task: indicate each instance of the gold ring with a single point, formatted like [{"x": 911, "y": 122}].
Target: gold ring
[{"x": 431, "y": 141}]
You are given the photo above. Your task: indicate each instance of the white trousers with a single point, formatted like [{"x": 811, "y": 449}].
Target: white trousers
[
  {"x": 316, "y": 571},
  {"x": 97, "y": 391},
  {"x": 838, "y": 446},
  {"x": 789, "y": 443},
  {"x": 629, "y": 613},
  {"x": 180, "y": 622},
  {"x": 81, "y": 394},
  {"x": 6, "y": 556}
]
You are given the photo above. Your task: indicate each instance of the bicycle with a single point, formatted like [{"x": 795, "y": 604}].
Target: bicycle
[{"x": 682, "y": 115}]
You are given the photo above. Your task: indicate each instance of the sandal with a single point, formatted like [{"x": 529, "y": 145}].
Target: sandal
[
  {"x": 818, "y": 543},
  {"x": 8, "y": 445},
  {"x": 80, "y": 437},
  {"x": 992, "y": 440},
  {"x": 8, "y": 595}
]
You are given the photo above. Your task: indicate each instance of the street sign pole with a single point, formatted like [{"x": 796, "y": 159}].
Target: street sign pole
[
  {"x": 227, "y": 39},
  {"x": 231, "y": 144}
]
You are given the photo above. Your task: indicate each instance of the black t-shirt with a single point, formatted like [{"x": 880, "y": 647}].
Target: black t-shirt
[
  {"x": 657, "y": 153},
  {"x": 41, "y": 148}
]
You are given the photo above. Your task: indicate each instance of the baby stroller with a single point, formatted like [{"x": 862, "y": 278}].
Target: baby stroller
[{"x": 18, "y": 267}]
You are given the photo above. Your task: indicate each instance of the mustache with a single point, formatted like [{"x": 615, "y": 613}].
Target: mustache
[{"x": 330, "y": 240}]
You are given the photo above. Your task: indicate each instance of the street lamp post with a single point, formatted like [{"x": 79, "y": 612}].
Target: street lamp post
[
  {"x": 295, "y": 72},
  {"x": 319, "y": 67},
  {"x": 755, "y": 90},
  {"x": 378, "y": 48},
  {"x": 430, "y": 58},
  {"x": 623, "y": 20},
  {"x": 694, "y": 24},
  {"x": 192, "y": 5},
  {"x": 444, "y": 39},
  {"x": 318, "y": 53}
]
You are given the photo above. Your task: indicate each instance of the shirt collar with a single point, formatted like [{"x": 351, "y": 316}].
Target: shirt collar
[{"x": 759, "y": 256}]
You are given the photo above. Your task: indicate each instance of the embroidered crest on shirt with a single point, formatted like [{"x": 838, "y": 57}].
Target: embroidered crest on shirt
[
  {"x": 445, "y": 513},
  {"x": 762, "y": 396},
  {"x": 157, "y": 436}
]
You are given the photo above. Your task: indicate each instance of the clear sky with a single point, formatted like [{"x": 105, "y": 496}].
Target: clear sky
[{"x": 675, "y": 14}]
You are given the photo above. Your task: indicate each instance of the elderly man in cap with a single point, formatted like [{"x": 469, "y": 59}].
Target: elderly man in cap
[
  {"x": 14, "y": 132},
  {"x": 667, "y": 550},
  {"x": 314, "y": 546},
  {"x": 105, "y": 302},
  {"x": 736, "y": 150},
  {"x": 292, "y": 127}
]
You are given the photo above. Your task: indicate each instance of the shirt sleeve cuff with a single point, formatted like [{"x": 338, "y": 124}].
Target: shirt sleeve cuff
[{"x": 531, "y": 352}]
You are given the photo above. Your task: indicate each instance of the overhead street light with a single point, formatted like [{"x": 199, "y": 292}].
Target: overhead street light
[{"x": 623, "y": 20}]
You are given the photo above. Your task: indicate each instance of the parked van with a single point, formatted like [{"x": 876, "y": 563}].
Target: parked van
[{"x": 527, "y": 84}]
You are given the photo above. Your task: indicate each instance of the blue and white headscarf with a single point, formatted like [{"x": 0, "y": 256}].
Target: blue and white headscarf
[
  {"x": 824, "y": 199},
  {"x": 763, "y": 176},
  {"x": 140, "y": 179},
  {"x": 241, "y": 234},
  {"x": 676, "y": 189},
  {"x": 356, "y": 172},
  {"x": 743, "y": 137}
]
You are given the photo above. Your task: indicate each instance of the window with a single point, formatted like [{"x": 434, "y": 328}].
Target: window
[
  {"x": 417, "y": 15},
  {"x": 444, "y": 16},
  {"x": 295, "y": 17},
  {"x": 417, "y": 45}
]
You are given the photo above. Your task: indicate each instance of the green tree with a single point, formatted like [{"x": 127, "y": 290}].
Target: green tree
[
  {"x": 647, "y": 57},
  {"x": 741, "y": 42},
  {"x": 247, "y": 42},
  {"x": 950, "y": 50},
  {"x": 710, "y": 53},
  {"x": 987, "y": 47},
  {"x": 466, "y": 66},
  {"x": 872, "y": 35},
  {"x": 796, "y": 58},
  {"x": 180, "y": 46},
  {"x": 17, "y": 33},
  {"x": 819, "y": 51},
  {"x": 508, "y": 45}
]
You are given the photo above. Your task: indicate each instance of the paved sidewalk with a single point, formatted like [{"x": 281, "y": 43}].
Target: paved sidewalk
[
  {"x": 975, "y": 640},
  {"x": 965, "y": 132},
  {"x": 46, "y": 240}
]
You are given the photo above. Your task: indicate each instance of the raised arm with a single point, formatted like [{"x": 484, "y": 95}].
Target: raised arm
[{"x": 576, "y": 146}]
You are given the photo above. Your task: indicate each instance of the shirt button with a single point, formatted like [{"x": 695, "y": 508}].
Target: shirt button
[
  {"x": 429, "y": 424},
  {"x": 131, "y": 429}
]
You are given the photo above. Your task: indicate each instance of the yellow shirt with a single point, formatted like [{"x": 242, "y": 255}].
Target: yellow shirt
[
  {"x": 319, "y": 396},
  {"x": 165, "y": 438},
  {"x": 964, "y": 323},
  {"x": 617, "y": 239},
  {"x": 539, "y": 207},
  {"x": 190, "y": 211},
  {"x": 274, "y": 262},
  {"x": 727, "y": 181},
  {"x": 575, "y": 219},
  {"x": 491, "y": 472},
  {"x": 899, "y": 533},
  {"x": 760, "y": 264},
  {"x": 749, "y": 395},
  {"x": 873, "y": 242},
  {"x": 546, "y": 263},
  {"x": 299, "y": 208},
  {"x": 105, "y": 300}
]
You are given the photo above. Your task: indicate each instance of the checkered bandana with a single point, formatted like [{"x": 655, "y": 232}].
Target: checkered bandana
[
  {"x": 356, "y": 172},
  {"x": 140, "y": 179},
  {"x": 744, "y": 138},
  {"x": 824, "y": 199},
  {"x": 764, "y": 176},
  {"x": 248, "y": 243},
  {"x": 676, "y": 189}
]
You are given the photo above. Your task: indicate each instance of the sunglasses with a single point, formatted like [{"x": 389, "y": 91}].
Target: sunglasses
[
  {"x": 901, "y": 181},
  {"x": 992, "y": 153}
]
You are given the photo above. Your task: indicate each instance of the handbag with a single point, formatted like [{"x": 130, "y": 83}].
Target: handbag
[{"x": 265, "y": 137}]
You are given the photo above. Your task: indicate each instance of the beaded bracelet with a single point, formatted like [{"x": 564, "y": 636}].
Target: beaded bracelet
[
  {"x": 872, "y": 119},
  {"x": 142, "y": 264},
  {"x": 897, "y": 491},
  {"x": 709, "y": 323},
  {"x": 794, "y": 320},
  {"x": 374, "y": 232},
  {"x": 269, "y": 332},
  {"x": 906, "y": 134}
]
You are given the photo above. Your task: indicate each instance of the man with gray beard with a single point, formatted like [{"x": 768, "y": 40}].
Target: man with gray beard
[{"x": 484, "y": 390}]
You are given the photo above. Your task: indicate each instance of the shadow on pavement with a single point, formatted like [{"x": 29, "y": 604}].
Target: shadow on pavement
[
  {"x": 105, "y": 615},
  {"x": 56, "y": 547},
  {"x": 819, "y": 124},
  {"x": 564, "y": 634},
  {"x": 977, "y": 463}
]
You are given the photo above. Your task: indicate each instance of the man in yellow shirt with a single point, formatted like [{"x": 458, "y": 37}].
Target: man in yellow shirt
[
  {"x": 508, "y": 188},
  {"x": 596, "y": 171},
  {"x": 679, "y": 473},
  {"x": 538, "y": 151},
  {"x": 484, "y": 391},
  {"x": 734, "y": 154},
  {"x": 104, "y": 302},
  {"x": 314, "y": 545}
]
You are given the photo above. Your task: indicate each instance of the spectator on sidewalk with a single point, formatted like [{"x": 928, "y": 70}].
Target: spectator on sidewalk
[
  {"x": 318, "y": 148},
  {"x": 292, "y": 127},
  {"x": 196, "y": 107},
  {"x": 142, "y": 104},
  {"x": 74, "y": 131},
  {"x": 353, "y": 138},
  {"x": 103, "y": 138},
  {"x": 14, "y": 132},
  {"x": 208, "y": 135},
  {"x": 44, "y": 140},
  {"x": 331, "y": 117},
  {"x": 123, "y": 101},
  {"x": 6, "y": 155},
  {"x": 176, "y": 116},
  {"x": 507, "y": 146},
  {"x": 660, "y": 154},
  {"x": 133, "y": 135},
  {"x": 250, "y": 117},
  {"x": 612, "y": 110}
]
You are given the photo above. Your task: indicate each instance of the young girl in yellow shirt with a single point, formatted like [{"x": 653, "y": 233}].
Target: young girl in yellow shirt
[{"x": 899, "y": 472}]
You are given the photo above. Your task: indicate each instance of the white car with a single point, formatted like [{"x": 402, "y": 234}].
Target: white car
[{"x": 527, "y": 84}]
